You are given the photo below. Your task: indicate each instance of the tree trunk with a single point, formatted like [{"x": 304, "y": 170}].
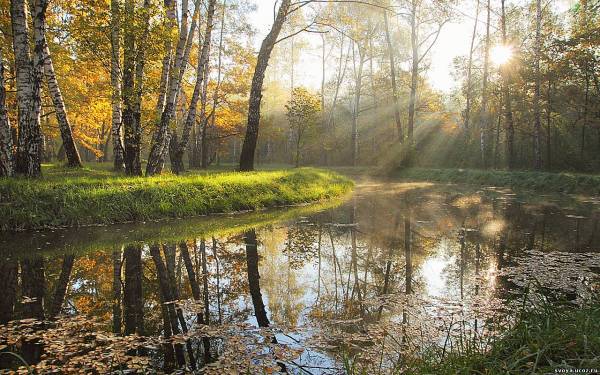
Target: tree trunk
[
  {"x": 204, "y": 152},
  {"x": 356, "y": 112},
  {"x": 585, "y": 112},
  {"x": 58, "y": 297},
  {"x": 414, "y": 72},
  {"x": 115, "y": 81},
  {"x": 537, "y": 142},
  {"x": 469, "y": 73},
  {"x": 323, "y": 149},
  {"x": 190, "y": 119},
  {"x": 160, "y": 139},
  {"x": 7, "y": 162},
  {"x": 508, "y": 115},
  {"x": 251, "y": 137},
  {"x": 392, "y": 56},
  {"x": 485, "y": 116},
  {"x": 66, "y": 132},
  {"x": 28, "y": 81},
  {"x": 131, "y": 131},
  {"x": 549, "y": 126},
  {"x": 213, "y": 114}
]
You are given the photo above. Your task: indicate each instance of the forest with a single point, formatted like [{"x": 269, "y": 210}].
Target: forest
[
  {"x": 142, "y": 84},
  {"x": 299, "y": 186}
]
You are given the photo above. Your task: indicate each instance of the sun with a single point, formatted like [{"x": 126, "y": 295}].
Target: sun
[{"x": 501, "y": 54}]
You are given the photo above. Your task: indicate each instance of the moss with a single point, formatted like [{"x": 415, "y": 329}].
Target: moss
[{"x": 93, "y": 196}]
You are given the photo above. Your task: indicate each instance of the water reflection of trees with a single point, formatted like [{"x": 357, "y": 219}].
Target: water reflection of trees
[{"x": 370, "y": 274}]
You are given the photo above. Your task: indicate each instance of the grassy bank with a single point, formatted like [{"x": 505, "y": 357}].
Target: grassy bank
[
  {"x": 548, "y": 337},
  {"x": 542, "y": 181},
  {"x": 543, "y": 338},
  {"x": 84, "y": 197}
]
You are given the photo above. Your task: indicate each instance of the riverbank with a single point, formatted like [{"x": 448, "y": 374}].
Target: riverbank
[
  {"x": 68, "y": 198},
  {"x": 541, "y": 181},
  {"x": 546, "y": 337}
]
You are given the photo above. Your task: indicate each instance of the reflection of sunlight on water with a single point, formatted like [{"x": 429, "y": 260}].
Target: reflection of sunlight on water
[
  {"x": 433, "y": 271},
  {"x": 493, "y": 227}
]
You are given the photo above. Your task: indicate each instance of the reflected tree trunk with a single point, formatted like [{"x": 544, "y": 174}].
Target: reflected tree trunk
[
  {"x": 33, "y": 285},
  {"x": 408, "y": 259},
  {"x": 218, "y": 266},
  {"x": 187, "y": 261},
  {"x": 61, "y": 286},
  {"x": 132, "y": 291},
  {"x": 254, "y": 278},
  {"x": 319, "y": 266},
  {"x": 167, "y": 298},
  {"x": 205, "y": 282},
  {"x": 117, "y": 262},
  {"x": 170, "y": 251},
  {"x": 8, "y": 285},
  {"x": 463, "y": 244}
]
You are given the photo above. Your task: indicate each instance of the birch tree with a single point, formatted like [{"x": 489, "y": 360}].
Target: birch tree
[
  {"x": 467, "y": 117},
  {"x": 7, "y": 167},
  {"x": 508, "y": 114},
  {"x": 115, "y": 82},
  {"x": 485, "y": 116},
  {"x": 190, "y": 119},
  {"x": 420, "y": 15},
  {"x": 29, "y": 75},
  {"x": 161, "y": 137},
  {"x": 537, "y": 144},
  {"x": 134, "y": 60},
  {"x": 66, "y": 132},
  {"x": 392, "y": 54}
]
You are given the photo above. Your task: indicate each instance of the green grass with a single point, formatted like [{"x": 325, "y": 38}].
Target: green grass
[
  {"x": 66, "y": 198},
  {"x": 545, "y": 337},
  {"x": 539, "y": 181},
  {"x": 542, "y": 338},
  {"x": 101, "y": 238}
]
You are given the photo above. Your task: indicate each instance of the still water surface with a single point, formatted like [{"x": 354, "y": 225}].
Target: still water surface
[{"x": 379, "y": 276}]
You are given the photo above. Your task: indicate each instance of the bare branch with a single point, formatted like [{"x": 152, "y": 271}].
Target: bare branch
[{"x": 437, "y": 34}]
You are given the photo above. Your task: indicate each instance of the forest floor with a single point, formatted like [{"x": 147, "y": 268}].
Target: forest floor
[
  {"x": 96, "y": 195},
  {"x": 562, "y": 182}
]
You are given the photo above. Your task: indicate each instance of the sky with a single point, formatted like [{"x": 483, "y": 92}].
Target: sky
[{"x": 454, "y": 41}]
